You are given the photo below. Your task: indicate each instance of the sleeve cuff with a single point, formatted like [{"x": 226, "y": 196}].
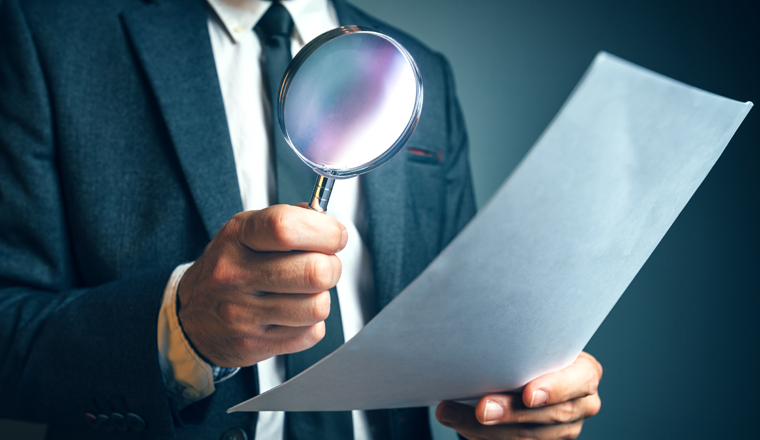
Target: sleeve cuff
[{"x": 187, "y": 377}]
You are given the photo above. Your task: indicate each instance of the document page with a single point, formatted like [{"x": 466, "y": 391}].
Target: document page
[{"x": 525, "y": 285}]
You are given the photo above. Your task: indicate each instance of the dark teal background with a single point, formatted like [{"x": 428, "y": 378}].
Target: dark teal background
[{"x": 680, "y": 349}]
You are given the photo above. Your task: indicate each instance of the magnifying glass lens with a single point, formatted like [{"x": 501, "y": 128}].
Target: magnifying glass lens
[{"x": 349, "y": 101}]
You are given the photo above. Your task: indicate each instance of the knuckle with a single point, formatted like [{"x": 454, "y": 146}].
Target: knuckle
[
  {"x": 599, "y": 369},
  {"x": 319, "y": 272},
  {"x": 317, "y": 333},
  {"x": 564, "y": 412},
  {"x": 593, "y": 387},
  {"x": 226, "y": 272},
  {"x": 321, "y": 306},
  {"x": 573, "y": 431},
  {"x": 278, "y": 223},
  {"x": 235, "y": 225},
  {"x": 593, "y": 382},
  {"x": 337, "y": 268},
  {"x": 305, "y": 340},
  {"x": 595, "y": 365},
  {"x": 229, "y": 313},
  {"x": 337, "y": 236},
  {"x": 594, "y": 407},
  {"x": 234, "y": 231},
  {"x": 248, "y": 344}
]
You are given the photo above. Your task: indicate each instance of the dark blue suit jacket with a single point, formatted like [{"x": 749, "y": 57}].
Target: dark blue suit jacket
[{"x": 116, "y": 166}]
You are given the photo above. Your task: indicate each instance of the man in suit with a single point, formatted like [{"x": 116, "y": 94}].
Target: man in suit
[{"x": 120, "y": 160}]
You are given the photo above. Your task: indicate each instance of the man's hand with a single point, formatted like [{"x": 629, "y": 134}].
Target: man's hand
[
  {"x": 261, "y": 287},
  {"x": 550, "y": 407}
]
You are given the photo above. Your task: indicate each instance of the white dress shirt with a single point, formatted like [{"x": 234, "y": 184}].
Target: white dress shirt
[{"x": 239, "y": 64}]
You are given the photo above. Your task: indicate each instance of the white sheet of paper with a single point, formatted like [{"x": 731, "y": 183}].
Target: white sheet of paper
[{"x": 523, "y": 288}]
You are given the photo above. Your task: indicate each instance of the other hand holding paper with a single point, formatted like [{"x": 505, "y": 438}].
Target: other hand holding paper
[{"x": 552, "y": 406}]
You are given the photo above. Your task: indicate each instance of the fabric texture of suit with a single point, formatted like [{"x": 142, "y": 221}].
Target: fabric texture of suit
[{"x": 116, "y": 166}]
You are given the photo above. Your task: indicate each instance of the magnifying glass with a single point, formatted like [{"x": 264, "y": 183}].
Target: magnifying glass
[{"x": 349, "y": 101}]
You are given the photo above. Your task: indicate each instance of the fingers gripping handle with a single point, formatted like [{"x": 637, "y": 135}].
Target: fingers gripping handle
[{"x": 321, "y": 194}]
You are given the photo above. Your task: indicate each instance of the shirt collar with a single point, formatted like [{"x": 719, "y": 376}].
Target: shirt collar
[{"x": 310, "y": 17}]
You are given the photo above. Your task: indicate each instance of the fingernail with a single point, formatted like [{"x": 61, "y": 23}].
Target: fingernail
[
  {"x": 538, "y": 398},
  {"x": 343, "y": 238},
  {"x": 449, "y": 415},
  {"x": 494, "y": 412}
]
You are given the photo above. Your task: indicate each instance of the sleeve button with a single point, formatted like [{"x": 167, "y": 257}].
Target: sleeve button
[
  {"x": 235, "y": 434},
  {"x": 92, "y": 420},
  {"x": 118, "y": 421},
  {"x": 105, "y": 423},
  {"x": 135, "y": 422}
]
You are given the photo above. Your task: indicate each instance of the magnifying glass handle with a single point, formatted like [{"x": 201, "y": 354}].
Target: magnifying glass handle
[{"x": 321, "y": 194}]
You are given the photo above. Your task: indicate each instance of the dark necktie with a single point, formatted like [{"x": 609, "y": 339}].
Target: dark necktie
[
  {"x": 295, "y": 180},
  {"x": 294, "y": 183}
]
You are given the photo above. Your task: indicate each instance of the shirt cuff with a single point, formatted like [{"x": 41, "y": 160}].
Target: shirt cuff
[{"x": 187, "y": 377}]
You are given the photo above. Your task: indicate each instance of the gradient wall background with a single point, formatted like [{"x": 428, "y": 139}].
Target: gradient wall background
[{"x": 680, "y": 350}]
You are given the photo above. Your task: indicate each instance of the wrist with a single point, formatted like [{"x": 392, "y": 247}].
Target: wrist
[
  {"x": 178, "y": 311},
  {"x": 187, "y": 376}
]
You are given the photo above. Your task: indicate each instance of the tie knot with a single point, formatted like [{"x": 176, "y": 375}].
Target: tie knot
[{"x": 276, "y": 22}]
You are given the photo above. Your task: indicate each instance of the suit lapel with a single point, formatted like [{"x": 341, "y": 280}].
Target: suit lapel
[
  {"x": 385, "y": 190},
  {"x": 171, "y": 40}
]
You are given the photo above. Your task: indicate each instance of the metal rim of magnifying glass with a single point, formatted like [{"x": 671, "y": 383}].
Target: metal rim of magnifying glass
[{"x": 291, "y": 72}]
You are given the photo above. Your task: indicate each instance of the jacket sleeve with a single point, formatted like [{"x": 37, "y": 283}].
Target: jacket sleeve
[{"x": 67, "y": 353}]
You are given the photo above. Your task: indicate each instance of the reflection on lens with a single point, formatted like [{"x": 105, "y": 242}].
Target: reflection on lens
[{"x": 350, "y": 101}]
